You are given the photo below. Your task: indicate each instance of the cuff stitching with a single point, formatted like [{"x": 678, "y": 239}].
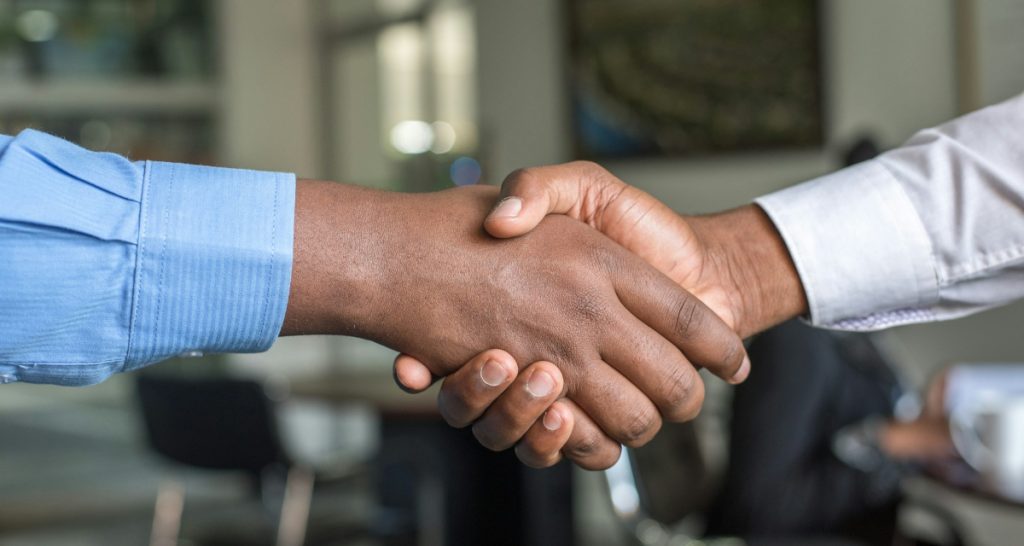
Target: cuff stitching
[
  {"x": 982, "y": 263},
  {"x": 927, "y": 295},
  {"x": 165, "y": 222},
  {"x": 270, "y": 263},
  {"x": 139, "y": 257}
]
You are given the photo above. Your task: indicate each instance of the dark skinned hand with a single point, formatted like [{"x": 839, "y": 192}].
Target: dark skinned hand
[
  {"x": 735, "y": 262},
  {"x": 417, "y": 273}
]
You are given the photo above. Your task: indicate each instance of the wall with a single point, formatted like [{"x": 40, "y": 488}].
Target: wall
[
  {"x": 889, "y": 69},
  {"x": 269, "y": 78}
]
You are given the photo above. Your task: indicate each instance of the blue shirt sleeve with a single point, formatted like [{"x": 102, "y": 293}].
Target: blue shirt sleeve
[{"x": 107, "y": 265}]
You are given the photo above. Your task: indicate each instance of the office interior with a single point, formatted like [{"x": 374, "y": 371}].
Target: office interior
[{"x": 421, "y": 95}]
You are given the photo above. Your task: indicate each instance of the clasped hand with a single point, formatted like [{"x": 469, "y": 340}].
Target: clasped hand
[
  {"x": 614, "y": 322},
  {"x": 505, "y": 406}
]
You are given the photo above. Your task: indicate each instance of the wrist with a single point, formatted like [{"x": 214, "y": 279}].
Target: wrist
[
  {"x": 751, "y": 261},
  {"x": 336, "y": 275}
]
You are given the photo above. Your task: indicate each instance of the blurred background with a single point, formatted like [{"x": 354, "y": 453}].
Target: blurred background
[{"x": 704, "y": 104}]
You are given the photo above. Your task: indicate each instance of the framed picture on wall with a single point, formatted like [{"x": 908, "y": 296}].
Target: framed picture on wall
[{"x": 694, "y": 77}]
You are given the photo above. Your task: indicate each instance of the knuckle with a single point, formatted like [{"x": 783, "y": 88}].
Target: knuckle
[
  {"x": 488, "y": 438},
  {"x": 585, "y": 447},
  {"x": 690, "y": 409},
  {"x": 678, "y": 392},
  {"x": 642, "y": 426},
  {"x": 688, "y": 315},
  {"x": 453, "y": 406},
  {"x": 519, "y": 178},
  {"x": 732, "y": 354},
  {"x": 607, "y": 257},
  {"x": 532, "y": 457},
  {"x": 591, "y": 168},
  {"x": 590, "y": 305},
  {"x": 598, "y": 253},
  {"x": 602, "y": 184},
  {"x": 455, "y": 419},
  {"x": 600, "y": 461}
]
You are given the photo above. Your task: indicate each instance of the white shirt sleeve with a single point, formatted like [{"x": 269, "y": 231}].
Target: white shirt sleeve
[{"x": 930, "y": 231}]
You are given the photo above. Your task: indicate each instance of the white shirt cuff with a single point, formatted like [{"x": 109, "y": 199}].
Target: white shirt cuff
[{"x": 860, "y": 248}]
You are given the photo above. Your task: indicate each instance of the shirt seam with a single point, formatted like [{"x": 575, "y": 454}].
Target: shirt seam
[
  {"x": 139, "y": 257},
  {"x": 885, "y": 319},
  {"x": 165, "y": 222},
  {"x": 981, "y": 264},
  {"x": 270, "y": 262},
  {"x": 49, "y": 363},
  {"x": 926, "y": 295}
]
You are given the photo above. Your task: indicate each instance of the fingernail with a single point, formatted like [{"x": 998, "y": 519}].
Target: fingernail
[
  {"x": 552, "y": 420},
  {"x": 541, "y": 384},
  {"x": 509, "y": 207},
  {"x": 742, "y": 373},
  {"x": 493, "y": 373}
]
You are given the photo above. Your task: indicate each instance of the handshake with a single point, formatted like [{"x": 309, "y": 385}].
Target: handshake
[{"x": 568, "y": 314}]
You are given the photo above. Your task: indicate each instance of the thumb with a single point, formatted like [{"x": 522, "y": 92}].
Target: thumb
[
  {"x": 411, "y": 375},
  {"x": 528, "y": 195}
]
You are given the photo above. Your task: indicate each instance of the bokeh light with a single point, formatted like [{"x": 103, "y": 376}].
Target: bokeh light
[
  {"x": 37, "y": 25},
  {"x": 444, "y": 137},
  {"x": 412, "y": 137},
  {"x": 465, "y": 171}
]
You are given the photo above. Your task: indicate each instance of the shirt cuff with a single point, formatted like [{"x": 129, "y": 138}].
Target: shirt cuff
[
  {"x": 860, "y": 248},
  {"x": 214, "y": 261}
]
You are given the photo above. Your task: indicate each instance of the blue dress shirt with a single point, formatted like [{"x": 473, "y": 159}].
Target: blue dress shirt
[{"x": 107, "y": 265}]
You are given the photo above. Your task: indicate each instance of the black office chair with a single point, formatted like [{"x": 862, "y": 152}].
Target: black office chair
[{"x": 222, "y": 424}]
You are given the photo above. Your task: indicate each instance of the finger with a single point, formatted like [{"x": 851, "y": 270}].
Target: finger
[
  {"x": 616, "y": 405},
  {"x": 523, "y": 403},
  {"x": 542, "y": 445},
  {"x": 466, "y": 393},
  {"x": 528, "y": 195},
  {"x": 656, "y": 367},
  {"x": 588, "y": 446},
  {"x": 411, "y": 375},
  {"x": 681, "y": 318}
]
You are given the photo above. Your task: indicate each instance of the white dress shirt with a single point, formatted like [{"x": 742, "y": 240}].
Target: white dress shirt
[{"x": 930, "y": 231}]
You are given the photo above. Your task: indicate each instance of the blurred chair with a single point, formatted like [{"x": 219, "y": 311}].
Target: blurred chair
[
  {"x": 658, "y": 492},
  {"x": 223, "y": 424}
]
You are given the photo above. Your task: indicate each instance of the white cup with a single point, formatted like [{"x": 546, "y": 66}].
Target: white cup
[{"x": 989, "y": 434}]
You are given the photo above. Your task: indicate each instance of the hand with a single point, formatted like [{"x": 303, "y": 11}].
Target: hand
[
  {"x": 507, "y": 412},
  {"x": 935, "y": 396},
  {"x": 927, "y": 437},
  {"x": 416, "y": 273},
  {"x": 735, "y": 261}
]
